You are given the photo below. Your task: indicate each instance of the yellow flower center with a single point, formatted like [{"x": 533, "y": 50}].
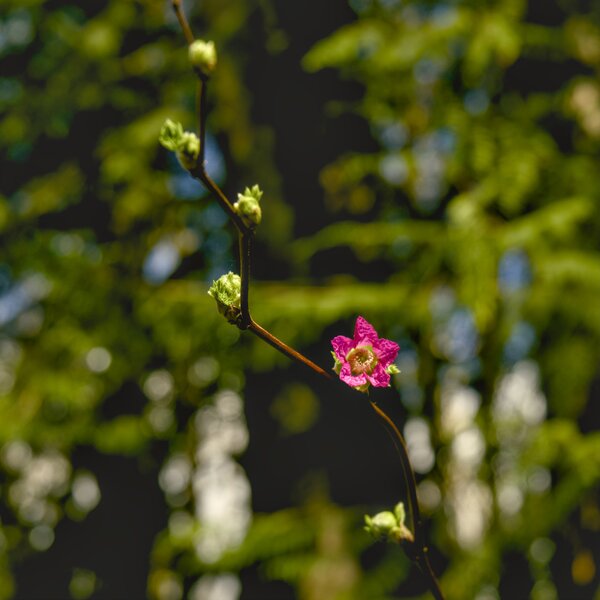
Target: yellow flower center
[{"x": 362, "y": 360}]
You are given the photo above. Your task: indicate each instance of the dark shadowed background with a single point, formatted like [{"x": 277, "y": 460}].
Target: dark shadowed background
[{"x": 432, "y": 166}]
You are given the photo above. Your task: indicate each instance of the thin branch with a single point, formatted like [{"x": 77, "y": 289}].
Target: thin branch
[
  {"x": 199, "y": 172},
  {"x": 245, "y": 242},
  {"x": 408, "y": 473},
  {"x": 425, "y": 566},
  {"x": 245, "y": 237},
  {"x": 227, "y": 206},
  {"x": 268, "y": 337},
  {"x": 202, "y": 113},
  {"x": 418, "y": 550},
  {"x": 185, "y": 26}
]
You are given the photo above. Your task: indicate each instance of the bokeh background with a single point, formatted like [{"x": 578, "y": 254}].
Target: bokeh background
[{"x": 430, "y": 165}]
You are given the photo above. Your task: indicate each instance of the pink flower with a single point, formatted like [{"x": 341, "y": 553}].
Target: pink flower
[{"x": 365, "y": 360}]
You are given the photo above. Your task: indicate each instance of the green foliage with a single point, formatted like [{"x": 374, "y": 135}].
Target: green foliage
[
  {"x": 470, "y": 175},
  {"x": 283, "y": 533},
  {"x": 296, "y": 408},
  {"x": 477, "y": 209}
]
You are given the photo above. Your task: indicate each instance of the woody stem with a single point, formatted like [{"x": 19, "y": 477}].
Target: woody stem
[
  {"x": 183, "y": 22},
  {"x": 268, "y": 337},
  {"x": 245, "y": 241},
  {"x": 418, "y": 549},
  {"x": 245, "y": 244}
]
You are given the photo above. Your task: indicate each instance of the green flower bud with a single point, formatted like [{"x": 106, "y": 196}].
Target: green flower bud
[
  {"x": 337, "y": 367},
  {"x": 381, "y": 524},
  {"x": 364, "y": 388},
  {"x": 389, "y": 526},
  {"x": 248, "y": 207},
  {"x": 203, "y": 56},
  {"x": 170, "y": 135},
  {"x": 227, "y": 293},
  {"x": 392, "y": 370},
  {"x": 188, "y": 150},
  {"x": 185, "y": 143}
]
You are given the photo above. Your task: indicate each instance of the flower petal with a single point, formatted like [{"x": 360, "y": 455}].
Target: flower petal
[
  {"x": 379, "y": 378},
  {"x": 386, "y": 350},
  {"x": 342, "y": 345},
  {"x": 364, "y": 332},
  {"x": 352, "y": 380}
]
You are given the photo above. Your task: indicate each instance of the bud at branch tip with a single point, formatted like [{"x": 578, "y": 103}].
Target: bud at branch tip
[
  {"x": 185, "y": 144},
  {"x": 248, "y": 207},
  {"x": 203, "y": 56}
]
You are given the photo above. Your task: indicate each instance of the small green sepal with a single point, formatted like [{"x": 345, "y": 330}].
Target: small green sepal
[
  {"x": 337, "y": 367},
  {"x": 400, "y": 513},
  {"x": 392, "y": 370}
]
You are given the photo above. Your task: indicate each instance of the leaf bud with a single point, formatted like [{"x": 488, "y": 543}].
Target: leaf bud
[
  {"x": 188, "y": 150},
  {"x": 170, "y": 135},
  {"x": 203, "y": 56},
  {"x": 381, "y": 524},
  {"x": 389, "y": 525},
  {"x": 248, "y": 207},
  {"x": 227, "y": 293}
]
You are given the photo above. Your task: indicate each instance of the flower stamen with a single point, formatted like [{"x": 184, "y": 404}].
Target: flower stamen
[{"x": 362, "y": 360}]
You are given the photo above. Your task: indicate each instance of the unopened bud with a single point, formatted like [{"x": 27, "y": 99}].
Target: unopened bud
[
  {"x": 389, "y": 526},
  {"x": 188, "y": 150},
  {"x": 203, "y": 56},
  {"x": 170, "y": 135},
  {"x": 248, "y": 207},
  {"x": 227, "y": 293},
  {"x": 381, "y": 524},
  {"x": 184, "y": 143}
]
